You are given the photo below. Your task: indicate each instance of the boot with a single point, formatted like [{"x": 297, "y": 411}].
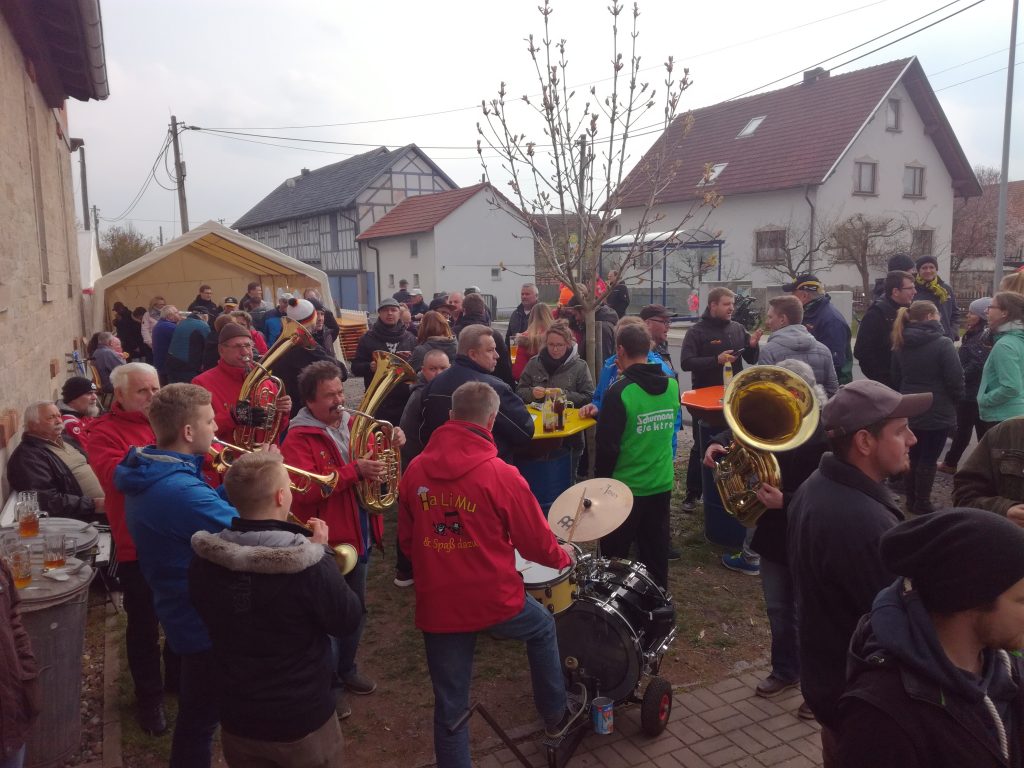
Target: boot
[{"x": 924, "y": 479}]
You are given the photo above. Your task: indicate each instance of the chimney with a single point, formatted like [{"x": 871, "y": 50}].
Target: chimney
[
  {"x": 305, "y": 172},
  {"x": 813, "y": 75}
]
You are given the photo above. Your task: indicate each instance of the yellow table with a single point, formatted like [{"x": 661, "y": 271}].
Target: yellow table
[{"x": 573, "y": 424}]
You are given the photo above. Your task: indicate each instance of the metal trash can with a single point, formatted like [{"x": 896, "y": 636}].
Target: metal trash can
[{"x": 54, "y": 614}]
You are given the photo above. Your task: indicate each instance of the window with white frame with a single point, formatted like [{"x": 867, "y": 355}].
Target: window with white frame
[
  {"x": 921, "y": 243},
  {"x": 865, "y": 178},
  {"x": 391, "y": 281},
  {"x": 415, "y": 279},
  {"x": 892, "y": 115},
  {"x": 770, "y": 246},
  {"x": 750, "y": 127},
  {"x": 713, "y": 173},
  {"x": 496, "y": 274},
  {"x": 913, "y": 181},
  {"x": 414, "y": 248}
]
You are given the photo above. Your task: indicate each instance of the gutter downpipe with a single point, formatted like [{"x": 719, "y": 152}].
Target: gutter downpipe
[
  {"x": 369, "y": 244},
  {"x": 810, "y": 235}
]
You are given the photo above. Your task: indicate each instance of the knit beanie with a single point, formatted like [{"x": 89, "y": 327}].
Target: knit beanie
[
  {"x": 956, "y": 559},
  {"x": 927, "y": 260},
  {"x": 980, "y": 307},
  {"x": 900, "y": 262},
  {"x": 75, "y": 387},
  {"x": 232, "y": 331},
  {"x": 300, "y": 310}
]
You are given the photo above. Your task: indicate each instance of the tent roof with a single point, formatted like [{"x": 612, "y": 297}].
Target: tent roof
[{"x": 218, "y": 242}]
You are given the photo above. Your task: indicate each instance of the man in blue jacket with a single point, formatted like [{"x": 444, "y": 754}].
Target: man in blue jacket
[
  {"x": 166, "y": 502},
  {"x": 825, "y": 322}
]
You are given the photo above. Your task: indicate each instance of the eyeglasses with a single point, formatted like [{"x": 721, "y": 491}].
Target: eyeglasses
[
  {"x": 662, "y": 320},
  {"x": 238, "y": 346}
]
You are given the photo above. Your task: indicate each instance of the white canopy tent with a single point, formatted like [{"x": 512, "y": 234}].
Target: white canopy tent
[{"x": 210, "y": 254}]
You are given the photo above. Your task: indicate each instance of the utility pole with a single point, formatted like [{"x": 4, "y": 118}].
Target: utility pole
[
  {"x": 997, "y": 273},
  {"x": 96, "y": 224},
  {"x": 85, "y": 189},
  {"x": 161, "y": 234},
  {"x": 179, "y": 172}
]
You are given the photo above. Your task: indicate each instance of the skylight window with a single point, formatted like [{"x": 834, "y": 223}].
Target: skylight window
[
  {"x": 714, "y": 173},
  {"x": 751, "y": 127}
]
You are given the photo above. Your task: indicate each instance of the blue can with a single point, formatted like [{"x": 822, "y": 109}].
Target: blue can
[{"x": 602, "y": 712}]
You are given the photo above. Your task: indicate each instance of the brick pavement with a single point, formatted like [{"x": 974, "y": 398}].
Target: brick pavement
[{"x": 722, "y": 726}]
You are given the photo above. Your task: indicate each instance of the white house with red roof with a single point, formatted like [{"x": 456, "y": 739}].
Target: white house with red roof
[
  {"x": 451, "y": 240},
  {"x": 804, "y": 158}
]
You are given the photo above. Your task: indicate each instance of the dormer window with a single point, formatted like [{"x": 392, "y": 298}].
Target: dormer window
[
  {"x": 714, "y": 173},
  {"x": 892, "y": 115},
  {"x": 750, "y": 127}
]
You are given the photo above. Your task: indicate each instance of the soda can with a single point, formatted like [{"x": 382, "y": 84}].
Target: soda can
[{"x": 602, "y": 712}]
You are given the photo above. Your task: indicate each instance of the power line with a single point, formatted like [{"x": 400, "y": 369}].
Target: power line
[
  {"x": 151, "y": 176},
  {"x": 977, "y": 77},
  {"x": 971, "y": 61}
]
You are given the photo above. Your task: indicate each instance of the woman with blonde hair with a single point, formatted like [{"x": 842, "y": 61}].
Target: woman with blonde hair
[
  {"x": 433, "y": 333},
  {"x": 244, "y": 319},
  {"x": 1013, "y": 282},
  {"x": 925, "y": 360},
  {"x": 530, "y": 341},
  {"x": 1001, "y": 394},
  {"x": 557, "y": 365}
]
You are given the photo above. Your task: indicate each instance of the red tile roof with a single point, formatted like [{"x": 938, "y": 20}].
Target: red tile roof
[
  {"x": 419, "y": 213},
  {"x": 806, "y": 129}
]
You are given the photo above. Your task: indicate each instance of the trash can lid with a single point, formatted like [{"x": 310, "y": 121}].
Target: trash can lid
[
  {"x": 84, "y": 534},
  {"x": 45, "y": 591}
]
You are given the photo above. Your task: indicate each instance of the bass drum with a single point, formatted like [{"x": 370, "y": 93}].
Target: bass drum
[{"x": 620, "y": 616}]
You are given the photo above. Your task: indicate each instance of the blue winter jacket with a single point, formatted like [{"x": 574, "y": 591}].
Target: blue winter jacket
[
  {"x": 166, "y": 501},
  {"x": 610, "y": 373},
  {"x": 827, "y": 325}
]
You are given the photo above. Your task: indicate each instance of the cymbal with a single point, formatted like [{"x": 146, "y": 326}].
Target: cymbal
[{"x": 590, "y": 510}]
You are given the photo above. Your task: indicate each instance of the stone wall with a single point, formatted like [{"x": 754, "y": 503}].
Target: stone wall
[{"x": 40, "y": 286}]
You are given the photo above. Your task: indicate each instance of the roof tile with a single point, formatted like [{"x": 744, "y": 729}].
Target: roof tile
[{"x": 420, "y": 213}]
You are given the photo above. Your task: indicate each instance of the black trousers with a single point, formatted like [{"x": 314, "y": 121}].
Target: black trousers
[
  {"x": 694, "y": 479},
  {"x": 142, "y": 637},
  {"x": 967, "y": 419},
  {"x": 647, "y": 525}
]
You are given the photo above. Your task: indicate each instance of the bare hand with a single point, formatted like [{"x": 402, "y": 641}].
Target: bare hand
[
  {"x": 726, "y": 357},
  {"x": 538, "y": 393},
  {"x": 283, "y": 403},
  {"x": 370, "y": 469},
  {"x": 399, "y": 437},
  {"x": 319, "y": 529},
  {"x": 100, "y": 504},
  {"x": 570, "y": 551},
  {"x": 588, "y": 411},
  {"x": 1015, "y": 514},
  {"x": 770, "y": 496},
  {"x": 713, "y": 452}
]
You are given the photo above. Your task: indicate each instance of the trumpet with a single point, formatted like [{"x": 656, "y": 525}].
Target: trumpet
[
  {"x": 223, "y": 454},
  {"x": 345, "y": 555}
]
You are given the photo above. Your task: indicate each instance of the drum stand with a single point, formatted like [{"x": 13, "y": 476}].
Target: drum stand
[{"x": 478, "y": 707}]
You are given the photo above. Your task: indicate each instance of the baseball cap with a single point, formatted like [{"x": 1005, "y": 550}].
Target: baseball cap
[
  {"x": 862, "y": 403},
  {"x": 654, "y": 310},
  {"x": 231, "y": 300},
  {"x": 415, "y": 292},
  {"x": 807, "y": 282},
  {"x": 388, "y": 302}
]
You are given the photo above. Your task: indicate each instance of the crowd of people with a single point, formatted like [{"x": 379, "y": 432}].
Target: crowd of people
[{"x": 897, "y": 631}]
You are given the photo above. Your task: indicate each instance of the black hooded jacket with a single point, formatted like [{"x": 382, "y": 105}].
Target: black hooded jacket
[
  {"x": 705, "y": 341},
  {"x": 873, "y": 348},
  {"x": 927, "y": 362},
  {"x": 384, "y": 338},
  {"x": 907, "y": 706}
]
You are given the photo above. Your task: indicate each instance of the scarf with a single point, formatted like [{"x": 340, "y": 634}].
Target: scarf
[
  {"x": 934, "y": 287},
  {"x": 550, "y": 363}
]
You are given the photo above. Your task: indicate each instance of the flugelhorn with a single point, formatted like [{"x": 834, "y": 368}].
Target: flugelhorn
[
  {"x": 223, "y": 455},
  {"x": 769, "y": 409},
  {"x": 345, "y": 555}
]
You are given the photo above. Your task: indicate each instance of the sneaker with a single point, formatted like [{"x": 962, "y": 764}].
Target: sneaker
[
  {"x": 673, "y": 553},
  {"x": 804, "y": 712},
  {"x": 689, "y": 505},
  {"x": 771, "y": 686},
  {"x": 945, "y": 468},
  {"x": 341, "y": 706},
  {"x": 740, "y": 564},
  {"x": 152, "y": 718},
  {"x": 569, "y": 717},
  {"x": 359, "y": 685},
  {"x": 403, "y": 579}
]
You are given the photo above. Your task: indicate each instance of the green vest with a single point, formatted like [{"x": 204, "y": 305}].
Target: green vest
[{"x": 645, "y": 453}]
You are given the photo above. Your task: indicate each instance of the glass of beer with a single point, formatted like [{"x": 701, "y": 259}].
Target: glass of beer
[
  {"x": 20, "y": 558},
  {"x": 28, "y": 519},
  {"x": 53, "y": 551}
]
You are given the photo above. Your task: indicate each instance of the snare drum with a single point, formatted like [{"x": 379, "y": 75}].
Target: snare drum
[
  {"x": 618, "y": 627},
  {"x": 554, "y": 589}
]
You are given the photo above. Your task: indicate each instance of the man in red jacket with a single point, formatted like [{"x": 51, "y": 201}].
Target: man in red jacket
[
  {"x": 318, "y": 442},
  {"x": 110, "y": 436},
  {"x": 463, "y": 513},
  {"x": 224, "y": 381}
]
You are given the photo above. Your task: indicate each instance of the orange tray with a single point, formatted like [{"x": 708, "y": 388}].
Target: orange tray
[{"x": 705, "y": 398}]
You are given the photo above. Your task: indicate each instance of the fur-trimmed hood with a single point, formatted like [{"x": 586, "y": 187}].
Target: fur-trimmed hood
[{"x": 267, "y": 552}]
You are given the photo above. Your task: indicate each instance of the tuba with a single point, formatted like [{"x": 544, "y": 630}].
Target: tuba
[
  {"x": 256, "y": 409},
  {"x": 769, "y": 409},
  {"x": 373, "y": 438}
]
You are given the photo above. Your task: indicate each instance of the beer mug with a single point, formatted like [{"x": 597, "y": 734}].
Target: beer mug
[
  {"x": 53, "y": 551},
  {"x": 19, "y": 557},
  {"x": 28, "y": 518}
]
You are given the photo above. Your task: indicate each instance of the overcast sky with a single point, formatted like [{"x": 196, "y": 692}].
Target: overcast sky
[{"x": 269, "y": 64}]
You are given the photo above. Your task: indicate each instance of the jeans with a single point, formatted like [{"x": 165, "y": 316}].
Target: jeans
[
  {"x": 323, "y": 748},
  {"x": 347, "y": 645},
  {"x": 14, "y": 760},
  {"x": 450, "y": 661},
  {"x": 647, "y": 524},
  {"x": 780, "y": 604},
  {"x": 967, "y": 418},
  {"x": 198, "y": 711},
  {"x": 142, "y": 638},
  {"x": 921, "y": 477},
  {"x": 749, "y": 555}
]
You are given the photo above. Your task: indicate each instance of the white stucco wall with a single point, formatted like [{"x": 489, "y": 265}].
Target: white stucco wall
[
  {"x": 739, "y": 217},
  {"x": 395, "y": 259},
  {"x": 473, "y": 240}
]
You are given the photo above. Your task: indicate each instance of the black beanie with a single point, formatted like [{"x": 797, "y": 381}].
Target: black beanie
[
  {"x": 927, "y": 260},
  {"x": 75, "y": 387},
  {"x": 956, "y": 559},
  {"x": 900, "y": 262}
]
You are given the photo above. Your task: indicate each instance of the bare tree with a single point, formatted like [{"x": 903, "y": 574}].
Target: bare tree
[
  {"x": 974, "y": 223},
  {"x": 573, "y": 168},
  {"x": 864, "y": 242},
  {"x": 121, "y": 245}
]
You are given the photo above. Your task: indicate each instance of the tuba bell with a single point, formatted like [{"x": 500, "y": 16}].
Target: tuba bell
[
  {"x": 769, "y": 409},
  {"x": 373, "y": 438},
  {"x": 256, "y": 410}
]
